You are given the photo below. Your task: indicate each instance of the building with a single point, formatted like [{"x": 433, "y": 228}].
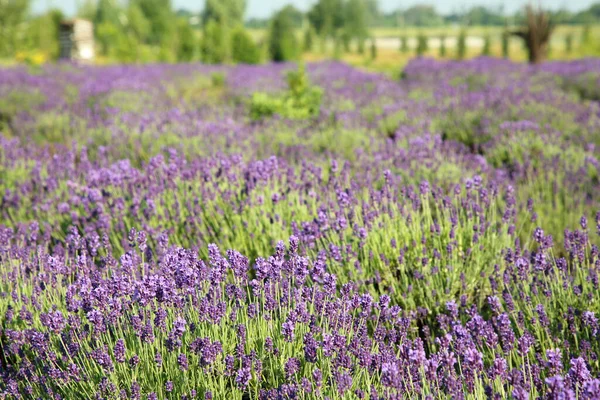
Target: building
[{"x": 77, "y": 40}]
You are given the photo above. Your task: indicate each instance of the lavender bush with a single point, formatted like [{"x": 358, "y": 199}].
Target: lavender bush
[{"x": 440, "y": 233}]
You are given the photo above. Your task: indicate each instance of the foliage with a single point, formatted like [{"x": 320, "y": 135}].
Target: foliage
[
  {"x": 356, "y": 20},
  {"x": 161, "y": 20},
  {"x": 300, "y": 101},
  {"x": 505, "y": 43},
  {"x": 283, "y": 45},
  {"x": 187, "y": 45},
  {"x": 569, "y": 43},
  {"x": 443, "y": 46},
  {"x": 486, "y": 50},
  {"x": 373, "y": 49},
  {"x": 243, "y": 48},
  {"x": 404, "y": 44},
  {"x": 422, "y": 44},
  {"x": 106, "y": 11},
  {"x": 215, "y": 42},
  {"x": 461, "y": 45},
  {"x": 218, "y": 79},
  {"x": 484, "y": 16},
  {"x": 308, "y": 42},
  {"x": 228, "y": 12},
  {"x": 422, "y": 15},
  {"x": 327, "y": 17},
  {"x": 12, "y": 15},
  {"x": 536, "y": 34},
  {"x": 41, "y": 35}
]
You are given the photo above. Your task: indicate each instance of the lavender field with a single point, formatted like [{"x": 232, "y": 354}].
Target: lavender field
[{"x": 203, "y": 232}]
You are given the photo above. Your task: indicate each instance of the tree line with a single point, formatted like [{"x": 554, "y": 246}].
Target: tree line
[{"x": 151, "y": 30}]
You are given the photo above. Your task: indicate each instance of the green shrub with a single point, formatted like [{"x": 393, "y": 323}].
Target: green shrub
[
  {"x": 300, "y": 101},
  {"x": 217, "y": 79},
  {"x": 243, "y": 48}
]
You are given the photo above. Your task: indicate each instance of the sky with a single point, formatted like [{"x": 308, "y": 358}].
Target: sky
[{"x": 264, "y": 8}]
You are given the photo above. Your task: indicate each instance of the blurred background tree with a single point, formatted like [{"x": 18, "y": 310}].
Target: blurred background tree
[
  {"x": 536, "y": 33},
  {"x": 487, "y": 45},
  {"x": 243, "y": 49},
  {"x": 12, "y": 16},
  {"x": 356, "y": 21},
  {"x": 422, "y": 44},
  {"x": 219, "y": 18},
  {"x": 327, "y": 17},
  {"x": 461, "y": 44},
  {"x": 283, "y": 45}
]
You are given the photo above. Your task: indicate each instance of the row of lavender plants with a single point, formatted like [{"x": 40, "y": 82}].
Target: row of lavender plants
[{"x": 440, "y": 233}]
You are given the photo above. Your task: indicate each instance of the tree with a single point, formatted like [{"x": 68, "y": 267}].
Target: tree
[
  {"x": 215, "y": 42},
  {"x": 106, "y": 36},
  {"x": 161, "y": 19},
  {"x": 536, "y": 33},
  {"x": 106, "y": 11},
  {"x": 486, "y": 46},
  {"x": 373, "y": 49},
  {"x": 422, "y": 44},
  {"x": 586, "y": 34},
  {"x": 283, "y": 45},
  {"x": 505, "y": 44},
  {"x": 442, "y": 45},
  {"x": 43, "y": 33},
  {"x": 308, "y": 38},
  {"x": 404, "y": 44},
  {"x": 218, "y": 18},
  {"x": 481, "y": 15},
  {"x": 12, "y": 14},
  {"x": 243, "y": 48},
  {"x": 87, "y": 10},
  {"x": 138, "y": 25},
  {"x": 186, "y": 41},
  {"x": 356, "y": 20},
  {"x": 569, "y": 43},
  {"x": 229, "y": 12},
  {"x": 461, "y": 45},
  {"x": 327, "y": 17},
  {"x": 422, "y": 15}
]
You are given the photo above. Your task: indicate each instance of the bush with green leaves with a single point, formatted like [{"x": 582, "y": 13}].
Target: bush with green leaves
[
  {"x": 243, "y": 48},
  {"x": 215, "y": 43},
  {"x": 300, "y": 101}
]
